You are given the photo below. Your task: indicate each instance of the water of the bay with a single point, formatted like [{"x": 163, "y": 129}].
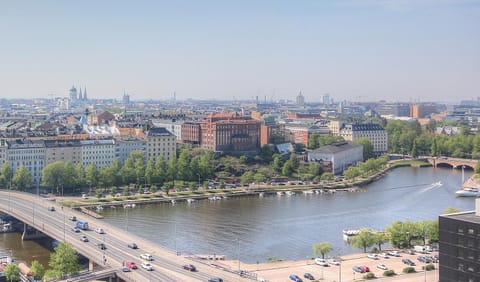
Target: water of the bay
[{"x": 286, "y": 227}]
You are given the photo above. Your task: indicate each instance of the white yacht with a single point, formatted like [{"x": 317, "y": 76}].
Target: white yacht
[{"x": 468, "y": 192}]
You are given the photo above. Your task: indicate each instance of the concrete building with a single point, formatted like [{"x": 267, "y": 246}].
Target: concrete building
[
  {"x": 99, "y": 152},
  {"x": 63, "y": 150},
  {"x": 27, "y": 153},
  {"x": 160, "y": 142},
  {"x": 375, "y": 133},
  {"x": 459, "y": 246},
  {"x": 126, "y": 145},
  {"x": 394, "y": 109},
  {"x": 422, "y": 110},
  {"x": 230, "y": 133},
  {"x": 172, "y": 125},
  {"x": 340, "y": 154}
]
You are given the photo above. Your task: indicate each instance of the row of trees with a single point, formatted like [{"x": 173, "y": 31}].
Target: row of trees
[{"x": 365, "y": 169}]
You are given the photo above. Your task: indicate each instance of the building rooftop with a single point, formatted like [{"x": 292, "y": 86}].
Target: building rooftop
[{"x": 336, "y": 147}]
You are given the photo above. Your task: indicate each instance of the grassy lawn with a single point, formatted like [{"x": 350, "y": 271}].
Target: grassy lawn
[{"x": 411, "y": 163}]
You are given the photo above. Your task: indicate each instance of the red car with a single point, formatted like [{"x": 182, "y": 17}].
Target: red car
[
  {"x": 364, "y": 268},
  {"x": 130, "y": 264}
]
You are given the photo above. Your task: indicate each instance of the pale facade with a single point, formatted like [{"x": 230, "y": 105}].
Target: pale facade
[
  {"x": 375, "y": 133},
  {"x": 27, "y": 153},
  {"x": 63, "y": 150},
  {"x": 127, "y": 145},
  {"x": 340, "y": 154},
  {"x": 160, "y": 142},
  {"x": 99, "y": 152}
]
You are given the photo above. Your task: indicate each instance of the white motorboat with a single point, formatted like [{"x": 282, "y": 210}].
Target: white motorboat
[
  {"x": 468, "y": 192},
  {"x": 190, "y": 200}
]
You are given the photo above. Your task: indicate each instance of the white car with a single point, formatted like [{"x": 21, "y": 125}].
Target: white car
[
  {"x": 147, "y": 266},
  {"x": 334, "y": 262},
  {"x": 382, "y": 255},
  {"x": 146, "y": 256},
  {"x": 100, "y": 231},
  {"x": 393, "y": 254},
  {"x": 321, "y": 262},
  {"x": 372, "y": 256},
  {"x": 382, "y": 267}
]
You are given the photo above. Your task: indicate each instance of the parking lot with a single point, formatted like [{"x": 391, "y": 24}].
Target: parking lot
[{"x": 280, "y": 271}]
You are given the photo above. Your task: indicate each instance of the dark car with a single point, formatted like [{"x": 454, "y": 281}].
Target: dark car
[
  {"x": 295, "y": 278},
  {"x": 190, "y": 267},
  {"x": 102, "y": 246},
  {"x": 84, "y": 238},
  {"x": 51, "y": 208},
  {"x": 308, "y": 276},
  {"x": 358, "y": 269},
  {"x": 73, "y": 218},
  {"x": 215, "y": 279},
  {"x": 132, "y": 246},
  {"x": 408, "y": 262}
]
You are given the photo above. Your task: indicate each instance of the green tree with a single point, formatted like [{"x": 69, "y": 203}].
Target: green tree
[
  {"x": 322, "y": 248},
  {"x": 365, "y": 239},
  {"x": 139, "y": 171},
  {"x": 80, "y": 175},
  {"x": 259, "y": 177},
  {"x": 53, "y": 175},
  {"x": 150, "y": 175},
  {"x": 247, "y": 177},
  {"x": 434, "y": 148},
  {"x": 6, "y": 173},
  {"x": 288, "y": 168},
  {"x": 91, "y": 175},
  {"x": 183, "y": 165},
  {"x": 172, "y": 169},
  {"x": 414, "y": 151},
  {"x": 315, "y": 169},
  {"x": 64, "y": 260},
  {"x": 106, "y": 176},
  {"x": 450, "y": 210},
  {"x": 12, "y": 272},
  {"x": 37, "y": 269},
  {"x": 277, "y": 163},
  {"x": 327, "y": 176},
  {"x": 22, "y": 179},
  {"x": 380, "y": 238},
  {"x": 367, "y": 148},
  {"x": 161, "y": 169},
  {"x": 116, "y": 171}
]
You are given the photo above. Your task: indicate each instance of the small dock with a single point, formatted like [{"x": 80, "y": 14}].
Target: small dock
[{"x": 91, "y": 213}]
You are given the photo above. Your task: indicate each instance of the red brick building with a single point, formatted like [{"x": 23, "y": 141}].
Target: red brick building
[
  {"x": 230, "y": 132},
  {"x": 191, "y": 133}
]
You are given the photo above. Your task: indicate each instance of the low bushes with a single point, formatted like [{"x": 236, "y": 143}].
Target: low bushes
[
  {"x": 389, "y": 273},
  {"x": 428, "y": 267},
  {"x": 408, "y": 269},
  {"x": 369, "y": 275}
]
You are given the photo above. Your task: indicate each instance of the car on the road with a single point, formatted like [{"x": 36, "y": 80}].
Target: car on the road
[
  {"x": 308, "y": 276},
  {"x": 51, "y": 208},
  {"x": 295, "y": 278},
  {"x": 334, "y": 262},
  {"x": 372, "y": 256},
  {"x": 364, "y": 268},
  {"x": 321, "y": 262},
  {"x": 358, "y": 269},
  {"x": 100, "y": 230},
  {"x": 75, "y": 229},
  {"x": 215, "y": 279},
  {"x": 126, "y": 269},
  {"x": 132, "y": 245},
  {"x": 394, "y": 253},
  {"x": 382, "y": 267},
  {"x": 146, "y": 256},
  {"x": 147, "y": 266},
  {"x": 190, "y": 267},
  {"x": 130, "y": 264},
  {"x": 382, "y": 255},
  {"x": 73, "y": 218},
  {"x": 408, "y": 262},
  {"x": 83, "y": 238},
  {"x": 84, "y": 196},
  {"x": 102, "y": 246}
]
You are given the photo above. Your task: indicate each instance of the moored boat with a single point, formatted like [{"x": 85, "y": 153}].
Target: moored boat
[{"x": 468, "y": 192}]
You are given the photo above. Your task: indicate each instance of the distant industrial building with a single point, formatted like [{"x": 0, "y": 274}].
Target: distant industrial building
[
  {"x": 393, "y": 109},
  {"x": 341, "y": 155}
]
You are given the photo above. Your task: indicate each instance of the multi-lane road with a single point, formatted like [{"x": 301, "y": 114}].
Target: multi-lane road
[{"x": 34, "y": 211}]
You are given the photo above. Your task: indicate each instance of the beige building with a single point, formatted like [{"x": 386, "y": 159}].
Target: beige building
[
  {"x": 160, "y": 142},
  {"x": 375, "y": 133},
  {"x": 63, "y": 150}
]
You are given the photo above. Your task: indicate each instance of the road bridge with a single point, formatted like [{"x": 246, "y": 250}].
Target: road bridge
[
  {"x": 453, "y": 162},
  {"x": 34, "y": 211}
]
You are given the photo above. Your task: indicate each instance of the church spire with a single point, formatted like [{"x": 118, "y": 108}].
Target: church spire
[{"x": 85, "y": 94}]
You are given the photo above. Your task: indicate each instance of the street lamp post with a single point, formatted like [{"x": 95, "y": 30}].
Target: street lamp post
[
  {"x": 463, "y": 174},
  {"x": 199, "y": 185}
]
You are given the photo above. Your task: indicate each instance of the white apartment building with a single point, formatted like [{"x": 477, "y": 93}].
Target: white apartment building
[
  {"x": 23, "y": 152},
  {"x": 100, "y": 152},
  {"x": 160, "y": 142},
  {"x": 172, "y": 125},
  {"x": 340, "y": 154},
  {"x": 375, "y": 133},
  {"x": 126, "y": 145}
]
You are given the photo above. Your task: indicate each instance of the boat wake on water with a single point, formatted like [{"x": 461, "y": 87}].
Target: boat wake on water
[{"x": 430, "y": 185}]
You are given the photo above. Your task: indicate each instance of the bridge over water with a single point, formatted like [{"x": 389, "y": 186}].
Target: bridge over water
[
  {"x": 33, "y": 210},
  {"x": 453, "y": 162}
]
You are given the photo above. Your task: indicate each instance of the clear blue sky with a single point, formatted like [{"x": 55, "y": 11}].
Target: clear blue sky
[{"x": 398, "y": 50}]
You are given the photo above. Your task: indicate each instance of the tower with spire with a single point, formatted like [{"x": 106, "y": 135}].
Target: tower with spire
[
  {"x": 73, "y": 93},
  {"x": 85, "y": 98},
  {"x": 80, "y": 95}
]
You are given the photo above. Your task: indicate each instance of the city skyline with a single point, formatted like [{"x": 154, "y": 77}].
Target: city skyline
[{"x": 363, "y": 50}]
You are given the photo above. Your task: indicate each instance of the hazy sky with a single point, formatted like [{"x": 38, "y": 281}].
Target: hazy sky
[{"x": 398, "y": 50}]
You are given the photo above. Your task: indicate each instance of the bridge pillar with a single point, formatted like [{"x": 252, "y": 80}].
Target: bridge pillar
[{"x": 91, "y": 264}]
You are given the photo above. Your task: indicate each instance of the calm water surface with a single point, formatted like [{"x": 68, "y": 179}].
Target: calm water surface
[{"x": 255, "y": 228}]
